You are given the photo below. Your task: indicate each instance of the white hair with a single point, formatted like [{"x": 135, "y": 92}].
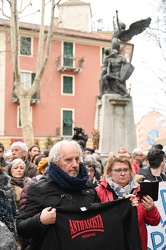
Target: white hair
[
  {"x": 17, "y": 161},
  {"x": 136, "y": 150},
  {"x": 55, "y": 153},
  {"x": 20, "y": 144}
]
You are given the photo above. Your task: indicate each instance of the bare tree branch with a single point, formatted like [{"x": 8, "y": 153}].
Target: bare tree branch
[
  {"x": 48, "y": 41},
  {"x": 2, "y": 10},
  {"x": 41, "y": 37},
  {"x": 15, "y": 38},
  {"x": 23, "y": 9}
]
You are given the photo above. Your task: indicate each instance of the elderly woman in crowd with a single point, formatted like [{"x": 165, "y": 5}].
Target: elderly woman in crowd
[
  {"x": 41, "y": 170},
  {"x": 118, "y": 183},
  {"x": 16, "y": 170}
]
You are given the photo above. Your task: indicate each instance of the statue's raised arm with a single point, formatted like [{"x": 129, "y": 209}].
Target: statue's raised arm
[{"x": 119, "y": 27}]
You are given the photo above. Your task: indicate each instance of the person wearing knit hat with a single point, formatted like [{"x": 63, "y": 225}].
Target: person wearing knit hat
[
  {"x": 88, "y": 151},
  {"x": 42, "y": 166},
  {"x": 91, "y": 165},
  {"x": 92, "y": 174}
]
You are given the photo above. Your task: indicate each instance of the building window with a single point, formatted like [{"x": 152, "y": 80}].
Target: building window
[
  {"x": 67, "y": 121},
  {"x": 19, "y": 116},
  {"x": 25, "y": 46},
  {"x": 68, "y": 56},
  {"x": 27, "y": 79},
  {"x": 67, "y": 85}
]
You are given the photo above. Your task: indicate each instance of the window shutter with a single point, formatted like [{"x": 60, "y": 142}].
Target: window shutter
[
  {"x": 67, "y": 122},
  {"x": 67, "y": 85}
]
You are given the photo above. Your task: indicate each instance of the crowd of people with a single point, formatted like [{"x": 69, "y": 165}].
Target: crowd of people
[{"x": 33, "y": 185}]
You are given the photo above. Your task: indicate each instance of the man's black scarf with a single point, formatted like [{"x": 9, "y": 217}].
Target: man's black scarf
[{"x": 66, "y": 181}]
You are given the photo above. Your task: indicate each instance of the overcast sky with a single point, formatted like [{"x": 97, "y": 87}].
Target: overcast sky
[{"x": 145, "y": 87}]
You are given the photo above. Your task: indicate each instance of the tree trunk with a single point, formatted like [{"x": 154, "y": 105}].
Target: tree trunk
[
  {"x": 26, "y": 120},
  {"x": 25, "y": 95}
]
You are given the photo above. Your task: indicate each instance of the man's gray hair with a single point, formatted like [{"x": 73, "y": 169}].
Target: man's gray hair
[
  {"x": 20, "y": 144},
  {"x": 136, "y": 150},
  {"x": 55, "y": 153}
]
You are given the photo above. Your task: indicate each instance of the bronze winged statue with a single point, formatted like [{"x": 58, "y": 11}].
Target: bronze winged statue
[
  {"x": 120, "y": 32},
  {"x": 116, "y": 70}
]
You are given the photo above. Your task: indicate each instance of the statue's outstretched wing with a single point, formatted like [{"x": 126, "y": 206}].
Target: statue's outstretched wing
[{"x": 134, "y": 29}]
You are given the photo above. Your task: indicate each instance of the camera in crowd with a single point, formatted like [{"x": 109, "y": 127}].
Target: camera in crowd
[{"x": 78, "y": 130}]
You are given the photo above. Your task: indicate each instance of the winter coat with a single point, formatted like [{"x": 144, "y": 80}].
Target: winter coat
[
  {"x": 146, "y": 172},
  {"x": 46, "y": 193},
  {"x": 31, "y": 169},
  {"x": 17, "y": 185},
  {"x": 3, "y": 163},
  {"x": 6, "y": 187},
  {"x": 136, "y": 167},
  {"x": 24, "y": 192},
  {"x": 151, "y": 217},
  {"x": 8, "y": 210}
]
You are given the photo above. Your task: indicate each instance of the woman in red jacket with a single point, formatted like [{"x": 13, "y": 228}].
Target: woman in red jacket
[{"x": 118, "y": 183}]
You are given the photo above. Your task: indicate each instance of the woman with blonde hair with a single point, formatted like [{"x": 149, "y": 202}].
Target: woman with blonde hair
[{"x": 118, "y": 182}]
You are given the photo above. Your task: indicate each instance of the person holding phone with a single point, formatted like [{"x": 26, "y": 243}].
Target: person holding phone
[{"x": 118, "y": 182}]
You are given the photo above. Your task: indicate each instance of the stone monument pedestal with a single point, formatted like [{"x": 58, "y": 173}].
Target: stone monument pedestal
[{"x": 115, "y": 123}]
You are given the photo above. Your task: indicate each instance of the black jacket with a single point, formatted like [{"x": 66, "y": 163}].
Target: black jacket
[
  {"x": 46, "y": 193},
  {"x": 7, "y": 188},
  {"x": 3, "y": 163},
  {"x": 146, "y": 172}
]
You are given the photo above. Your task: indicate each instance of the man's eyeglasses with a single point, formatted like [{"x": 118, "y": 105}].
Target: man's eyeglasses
[
  {"x": 139, "y": 155},
  {"x": 91, "y": 171},
  {"x": 120, "y": 171}
]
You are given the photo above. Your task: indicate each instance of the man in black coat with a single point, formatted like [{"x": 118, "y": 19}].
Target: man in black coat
[
  {"x": 80, "y": 136},
  {"x": 66, "y": 184}
]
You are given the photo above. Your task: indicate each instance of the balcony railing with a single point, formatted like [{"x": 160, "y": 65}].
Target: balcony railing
[
  {"x": 67, "y": 63},
  {"x": 34, "y": 99}
]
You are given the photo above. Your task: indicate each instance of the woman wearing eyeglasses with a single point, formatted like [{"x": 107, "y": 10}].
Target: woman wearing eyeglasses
[{"x": 118, "y": 183}]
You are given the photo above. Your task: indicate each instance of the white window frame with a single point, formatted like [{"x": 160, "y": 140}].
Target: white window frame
[
  {"x": 67, "y": 94},
  {"x": 74, "y": 61},
  {"x": 29, "y": 83},
  {"x": 73, "y": 116}
]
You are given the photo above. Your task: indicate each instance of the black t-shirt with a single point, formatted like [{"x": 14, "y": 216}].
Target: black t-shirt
[{"x": 109, "y": 226}]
